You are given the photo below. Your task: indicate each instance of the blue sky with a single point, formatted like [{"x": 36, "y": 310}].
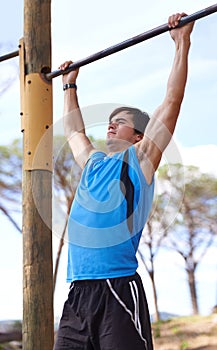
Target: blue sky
[{"x": 136, "y": 76}]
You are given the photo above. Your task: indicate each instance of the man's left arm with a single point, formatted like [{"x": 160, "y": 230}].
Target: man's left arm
[{"x": 161, "y": 126}]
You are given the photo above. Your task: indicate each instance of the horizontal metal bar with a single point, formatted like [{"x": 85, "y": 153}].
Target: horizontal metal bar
[
  {"x": 9, "y": 55},
  {"x": 123, "y": 45},
  {"x": 132, "y": 41}
]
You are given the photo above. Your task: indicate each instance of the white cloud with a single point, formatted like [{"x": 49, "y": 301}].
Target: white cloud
[{"x": 202, "y": 156}]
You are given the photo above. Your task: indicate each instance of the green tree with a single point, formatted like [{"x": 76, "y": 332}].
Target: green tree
[
  {"x": 162, "y": 216},
  {"x": 194, "y": 228},
  {"x": 152, "y": 239},
  {"x": 11, "y": 181}
]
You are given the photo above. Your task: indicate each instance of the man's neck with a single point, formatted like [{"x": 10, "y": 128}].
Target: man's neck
[{"x": 117, "y": 147}]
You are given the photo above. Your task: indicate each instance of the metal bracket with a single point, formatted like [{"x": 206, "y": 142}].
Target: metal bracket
[{"x": 36, "y": 115}]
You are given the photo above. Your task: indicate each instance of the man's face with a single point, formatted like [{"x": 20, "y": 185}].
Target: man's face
[{"x": 121, "y": 133}]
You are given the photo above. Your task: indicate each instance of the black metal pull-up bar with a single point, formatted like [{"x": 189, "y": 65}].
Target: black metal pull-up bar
[
  {"x": 9, "y": 55},
  {"x": 132, "y": 41},
  {"x": 125, "y": 44}
]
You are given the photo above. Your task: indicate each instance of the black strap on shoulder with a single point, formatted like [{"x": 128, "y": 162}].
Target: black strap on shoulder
[{"x": 127, "y": 189}]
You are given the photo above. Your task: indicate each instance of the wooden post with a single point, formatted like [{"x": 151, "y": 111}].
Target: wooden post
[{"x": 36, "y": 111}]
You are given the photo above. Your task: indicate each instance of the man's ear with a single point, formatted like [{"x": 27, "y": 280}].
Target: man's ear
[{"x": 139, "y": 137}]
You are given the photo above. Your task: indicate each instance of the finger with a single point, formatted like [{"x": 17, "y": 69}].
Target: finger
[
  {"x": 173, "y": 20},
  {"x": 65, "y": 65}
]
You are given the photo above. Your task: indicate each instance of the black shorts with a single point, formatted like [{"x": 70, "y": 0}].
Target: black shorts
[{"x": 107, "y": 314}]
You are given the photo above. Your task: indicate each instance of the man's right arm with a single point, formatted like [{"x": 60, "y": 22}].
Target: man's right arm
[{"x": 73, "y": 122}]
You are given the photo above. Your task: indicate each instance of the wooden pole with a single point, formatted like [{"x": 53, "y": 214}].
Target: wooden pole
[{"x": 36, "y": 111}]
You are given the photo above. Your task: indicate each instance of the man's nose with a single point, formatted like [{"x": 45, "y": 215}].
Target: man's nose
[{"x": 112, "y": 125}]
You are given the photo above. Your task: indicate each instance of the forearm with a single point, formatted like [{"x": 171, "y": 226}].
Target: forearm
[
  {"x": 178, "y": 76},
  {"x": 161, "y": 126},
  {"x": 73, "y": 121},
  {"x": 74, "y": 128}
]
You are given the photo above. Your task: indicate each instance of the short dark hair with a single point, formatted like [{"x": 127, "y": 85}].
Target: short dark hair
[{"x": 140, "y": 119}]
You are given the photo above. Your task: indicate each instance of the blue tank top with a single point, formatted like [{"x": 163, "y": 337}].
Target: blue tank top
[{"x": 108, "y": 214}]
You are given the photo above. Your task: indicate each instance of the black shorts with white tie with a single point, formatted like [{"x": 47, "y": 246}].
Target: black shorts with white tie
[{"x": 108, "y": 314}]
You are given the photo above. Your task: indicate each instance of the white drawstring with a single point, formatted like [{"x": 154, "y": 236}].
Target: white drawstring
[{"x": 135, "y": 297}]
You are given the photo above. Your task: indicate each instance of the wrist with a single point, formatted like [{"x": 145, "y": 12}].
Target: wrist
[
  {"x": 183, "y": 43},
  {"x": 69, "y": 86}
]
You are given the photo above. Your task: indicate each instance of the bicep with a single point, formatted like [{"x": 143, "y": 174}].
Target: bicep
[
  {"x": 81, "y": 147},
  {"x": 158, "y": 133}
]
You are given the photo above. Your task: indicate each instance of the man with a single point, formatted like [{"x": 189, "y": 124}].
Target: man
[{"x": 106, "y": 308}]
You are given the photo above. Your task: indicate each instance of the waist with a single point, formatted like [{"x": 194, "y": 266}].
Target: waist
[{"x": 122, "y": 279}]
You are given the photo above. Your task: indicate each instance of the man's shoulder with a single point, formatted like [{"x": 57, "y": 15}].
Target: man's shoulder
[{"x": 96, "y": 154}]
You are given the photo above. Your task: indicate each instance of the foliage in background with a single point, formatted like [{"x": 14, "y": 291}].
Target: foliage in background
[
  {"x": 183, "y": 217},
  {"x": 11, "y": 181}
]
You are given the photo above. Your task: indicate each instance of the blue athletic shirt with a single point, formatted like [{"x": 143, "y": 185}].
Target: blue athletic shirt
[{"x": 108, "y": 214}]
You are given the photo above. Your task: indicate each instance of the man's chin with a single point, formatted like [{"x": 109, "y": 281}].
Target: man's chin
[{"x": 117, "y": 145}]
